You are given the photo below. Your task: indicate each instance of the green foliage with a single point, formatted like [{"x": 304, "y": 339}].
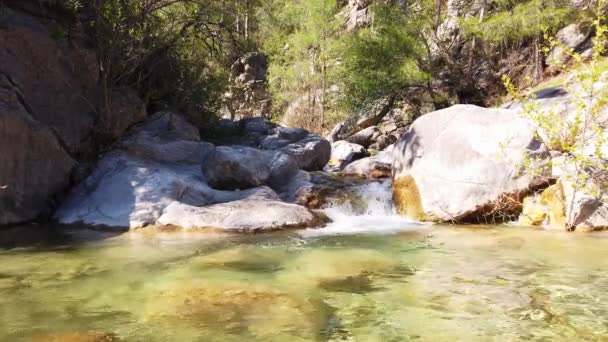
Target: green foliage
[
  {"x": 380, "y": 61},
  {"x": 301, "y": 40},
  {"x": 579, "y": 133},
  {"x": 516, "y": 20}
]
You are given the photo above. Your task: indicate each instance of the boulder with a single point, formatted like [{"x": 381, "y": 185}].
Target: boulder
[
  {"x": 291, "y": 134},
  {"x": 376, "y": 167},
  {"x": 34, "y": 166},
  {"x": 167, "y": 138},
  {"x": 240, "y": 216},
  {"x": 365, "y": 137},
  {"x": 466, "y": 164},
  {"x": 569, "y": 38},
  {"x": 585, "y": 203},
  {"x": 283, "y": 168},
  {"x": 236, "y": 167},
  {"x": 344, "y": 152},
  {"x": 312, "y": 153}
]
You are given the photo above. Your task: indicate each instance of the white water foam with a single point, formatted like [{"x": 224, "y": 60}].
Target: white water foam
[{"x": 376, "y": 214}]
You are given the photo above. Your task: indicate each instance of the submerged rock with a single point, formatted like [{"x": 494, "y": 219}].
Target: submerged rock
[
  {"x": 466, "y": 164},
  {"x": 334, "y": 269},
  {"x": 249, "y": 309},
  {"x": 78, "y": 336}
]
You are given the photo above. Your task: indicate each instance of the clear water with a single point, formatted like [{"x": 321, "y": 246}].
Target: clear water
[{"x": 367, "y": 277}]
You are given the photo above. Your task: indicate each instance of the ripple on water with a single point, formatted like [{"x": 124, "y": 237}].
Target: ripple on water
[{"x": 434, "y": 284}]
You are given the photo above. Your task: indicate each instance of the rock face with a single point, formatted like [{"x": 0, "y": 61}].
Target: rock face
[
  {"x": 164, "y": 175},
  {"x": 463, "y": 163},
  {"x": 359, "y": 14},
  {"x": 34, "y": 165},
  {"x": 48, "y": 121},
  {"x": 248, "y": 94},
  {"x": 343, "y": 153}
]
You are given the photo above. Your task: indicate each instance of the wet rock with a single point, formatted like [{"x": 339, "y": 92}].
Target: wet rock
[
  {"x": 376, "y": 167},
  {"x": 546, "y": 209},
  {"x": 236, "y": 167},
  {"x": 463, "y": 163},
  {"x": 249, "y": 215},
  {"x": 344, "y": 152}
]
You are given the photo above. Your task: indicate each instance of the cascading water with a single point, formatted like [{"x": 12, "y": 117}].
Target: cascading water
[{"x": 366, "y": 208}]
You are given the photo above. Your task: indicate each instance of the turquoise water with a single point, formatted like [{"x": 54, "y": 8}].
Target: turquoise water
[{"x": 419, "y": 283}]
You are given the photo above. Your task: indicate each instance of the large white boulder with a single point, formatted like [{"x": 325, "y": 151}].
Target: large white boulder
[{"x": 466, "y": 164}]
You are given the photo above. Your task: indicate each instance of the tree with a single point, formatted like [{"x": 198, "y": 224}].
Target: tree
[{"x": 578, "y": 134}]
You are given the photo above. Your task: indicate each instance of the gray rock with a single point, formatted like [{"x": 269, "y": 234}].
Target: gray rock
[
  {"x": 312, "y": 153},
  {"x": 236, "y": 167},
  {"x": 465, "y": 163},
  {"x": 586, "y": 201},
  {"x": 299, "y": 189},
  {"x": 570, "y": 37},
  {"x": 127, "y": 192},
  {"x": 255, "y": 125},
  {"x": 240, "y": 216},
  {"x": 378, "y": 166},
  {"x": 283, "y": 168},
  {"x": 274, "y": 143},
  {"x": 292, "y": 134},
  {"x": 167, "y": 138},
  {"x": 382, "y": 142},
  {"x": 344, "y": 152},
  {"x": 365, "y": 137},
  {"x": 164, "y": 127}
]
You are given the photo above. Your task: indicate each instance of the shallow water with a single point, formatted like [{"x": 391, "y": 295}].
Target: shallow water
[{"x": 367, "y": 277}]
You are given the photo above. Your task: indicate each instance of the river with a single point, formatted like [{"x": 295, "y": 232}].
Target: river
[{"x": 368, "y": 276}]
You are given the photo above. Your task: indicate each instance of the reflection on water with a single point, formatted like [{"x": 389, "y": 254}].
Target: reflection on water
[{"x": 420, "y": 284}]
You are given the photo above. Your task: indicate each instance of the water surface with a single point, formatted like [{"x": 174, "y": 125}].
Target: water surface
[{"x": 367, "y": 277}]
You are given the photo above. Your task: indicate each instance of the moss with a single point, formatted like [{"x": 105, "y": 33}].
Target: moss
[
  {"x": 406, "y": 198},
  {"x": 546, "y": 209},
  {"x": 533, "y": 212},
  {"x": 555, "y": 202}
]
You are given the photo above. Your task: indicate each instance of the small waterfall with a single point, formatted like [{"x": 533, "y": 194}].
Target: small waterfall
[{"x": 365, "y": 208}]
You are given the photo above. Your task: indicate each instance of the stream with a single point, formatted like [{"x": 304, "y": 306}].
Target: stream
[{"x": 368, "y": 276}]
